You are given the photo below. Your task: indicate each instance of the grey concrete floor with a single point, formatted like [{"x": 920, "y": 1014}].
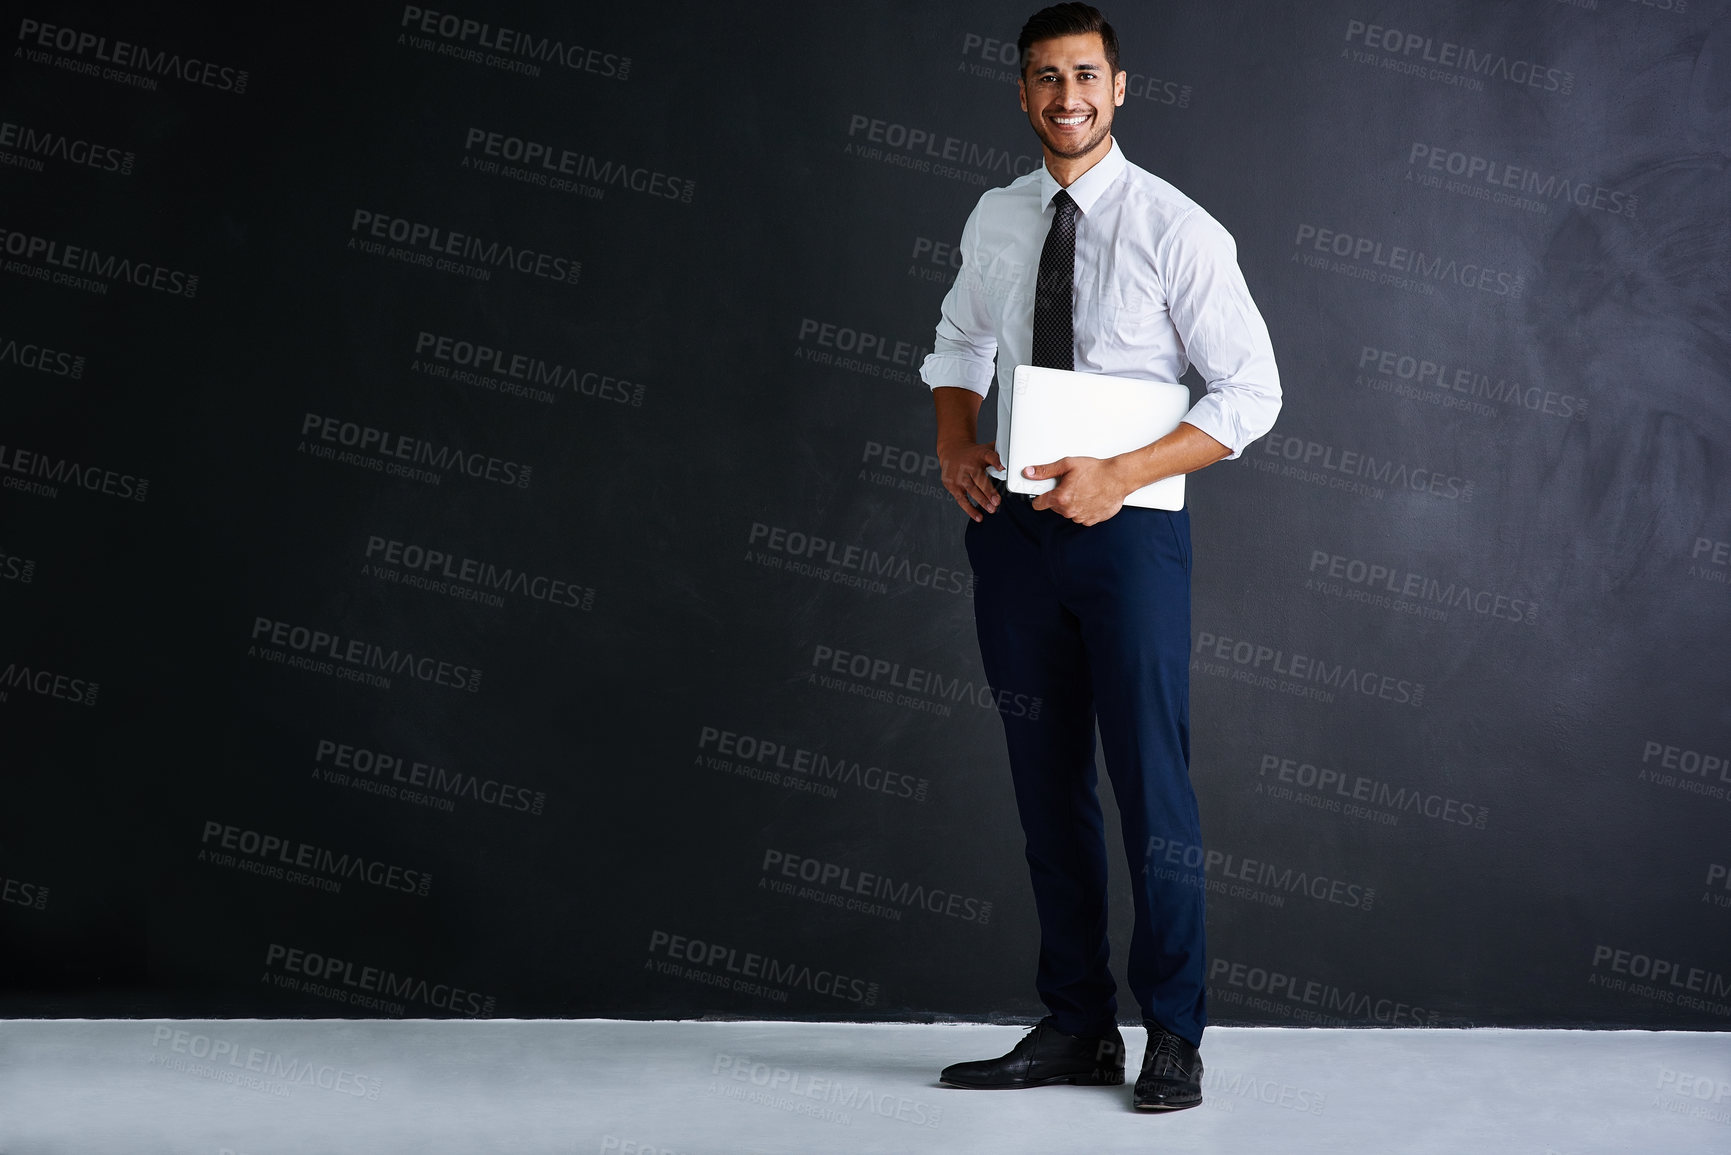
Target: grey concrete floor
[{"x": 296, "y": 1087}]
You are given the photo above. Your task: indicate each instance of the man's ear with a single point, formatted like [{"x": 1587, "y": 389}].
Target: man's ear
[
  {"x": 1022, "y": 92},
  {"x": 1118, "y": 83}
]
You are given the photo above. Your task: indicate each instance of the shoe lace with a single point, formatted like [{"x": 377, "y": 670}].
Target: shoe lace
[{"x": 1167, "y": 1045}]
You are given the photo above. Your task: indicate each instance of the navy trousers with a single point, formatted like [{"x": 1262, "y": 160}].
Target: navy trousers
[{"x": 1095, "y": 622}]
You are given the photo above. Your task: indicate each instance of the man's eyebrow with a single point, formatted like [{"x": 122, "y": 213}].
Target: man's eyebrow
[{"x": 1078, "y": 68}]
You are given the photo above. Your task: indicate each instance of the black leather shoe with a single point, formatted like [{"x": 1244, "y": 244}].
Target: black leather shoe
[
  {"x": 1045, "y": 1056},
  {"x": 1171, "y": 1076}
]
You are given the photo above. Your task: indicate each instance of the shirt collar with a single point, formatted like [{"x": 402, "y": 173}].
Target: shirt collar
[{"x": 1086, "y": 189}]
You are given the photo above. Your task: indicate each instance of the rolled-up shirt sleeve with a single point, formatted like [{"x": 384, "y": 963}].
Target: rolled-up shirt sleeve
[
  {"x": 962, "y": 354},
  {"x": 1223, "y": 333}
]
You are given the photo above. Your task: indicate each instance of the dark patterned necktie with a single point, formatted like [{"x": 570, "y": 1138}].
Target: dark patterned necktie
[{"x": 1054, "y": 320}]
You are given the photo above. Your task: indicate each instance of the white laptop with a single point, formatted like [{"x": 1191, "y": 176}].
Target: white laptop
[{"x": 1058, "y": 413}]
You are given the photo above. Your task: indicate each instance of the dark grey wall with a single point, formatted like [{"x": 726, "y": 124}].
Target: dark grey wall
[{"x": 541, "y": 698}]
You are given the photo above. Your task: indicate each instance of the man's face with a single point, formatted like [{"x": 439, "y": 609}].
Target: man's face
[{"x": 1069, "y": 95}]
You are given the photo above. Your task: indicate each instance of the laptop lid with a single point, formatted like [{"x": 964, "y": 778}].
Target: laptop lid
[{"x": 1059, "y": 413}]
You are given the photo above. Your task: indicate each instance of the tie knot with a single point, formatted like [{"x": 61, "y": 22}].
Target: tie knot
[{"x": 1062, "y": 202}]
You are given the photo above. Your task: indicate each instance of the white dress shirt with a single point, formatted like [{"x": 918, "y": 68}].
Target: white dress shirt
[{"x": 1157, "y": 288}]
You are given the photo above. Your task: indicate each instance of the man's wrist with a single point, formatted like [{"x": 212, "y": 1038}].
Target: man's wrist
[{"x": 1126, "y": 470}]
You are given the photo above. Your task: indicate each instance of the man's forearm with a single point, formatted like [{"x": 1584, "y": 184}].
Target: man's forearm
[
  {"x": 1184, "y": 450},
  {"x": 958, "y": 413}
]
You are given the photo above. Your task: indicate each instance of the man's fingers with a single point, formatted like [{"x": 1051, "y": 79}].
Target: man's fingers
[
  {"x": 979, "y": 486},
  {"x": 1057, "y": 497},
  {"x": 973, "y": 496},
  {"x": 959, "y": 491},
  {"x": 981, "y": 491},
  {"x": 1051, "y": 469},
  {"x": 965, "y": 478}
]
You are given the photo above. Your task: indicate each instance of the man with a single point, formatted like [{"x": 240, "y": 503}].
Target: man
[{"x": 1094, "y": 264}]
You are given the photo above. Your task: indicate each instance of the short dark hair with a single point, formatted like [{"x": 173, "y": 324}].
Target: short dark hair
[{"x": 1067, "y": 20}]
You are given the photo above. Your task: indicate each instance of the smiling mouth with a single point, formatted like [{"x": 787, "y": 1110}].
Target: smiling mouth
[{"x": 1068, "y": 121}]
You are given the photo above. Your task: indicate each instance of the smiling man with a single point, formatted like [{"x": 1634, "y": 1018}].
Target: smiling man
[{"x": 1094, "y": 264}]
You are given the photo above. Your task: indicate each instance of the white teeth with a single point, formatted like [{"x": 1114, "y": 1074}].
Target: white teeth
[{"x": 1069, "y": 119}]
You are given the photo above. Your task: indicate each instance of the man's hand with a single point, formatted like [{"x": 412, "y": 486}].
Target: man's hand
[
  {"x": 1090, "y": 489},
  {"x": 964, "y": 474}
]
